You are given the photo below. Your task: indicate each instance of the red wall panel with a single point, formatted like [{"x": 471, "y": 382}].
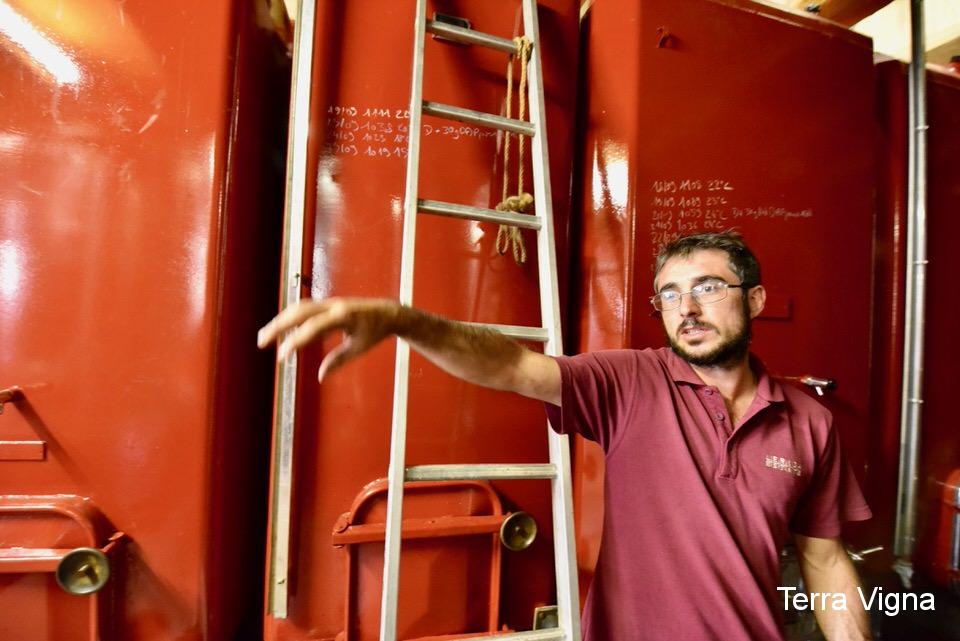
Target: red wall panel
[
  {"x": 715, "y": 114},
  {"x": 129, "y": 301}
]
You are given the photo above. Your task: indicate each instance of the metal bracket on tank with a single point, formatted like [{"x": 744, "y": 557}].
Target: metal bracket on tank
[{"x": 10, "y": 395}]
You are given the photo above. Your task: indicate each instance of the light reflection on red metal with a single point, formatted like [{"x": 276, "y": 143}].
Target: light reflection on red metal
[
  {"x": 350, "y": 530},
  {"x": 945, "y": 568}
]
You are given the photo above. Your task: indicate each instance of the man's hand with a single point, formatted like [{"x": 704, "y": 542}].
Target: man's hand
[{"x": 364, "y": 322}]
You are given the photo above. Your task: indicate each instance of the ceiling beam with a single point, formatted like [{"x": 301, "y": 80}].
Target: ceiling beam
[{"x": 846, "y": 12}]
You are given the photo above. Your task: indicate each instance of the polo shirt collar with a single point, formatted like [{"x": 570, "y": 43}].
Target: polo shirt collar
[{"x": 767, "y": 387}]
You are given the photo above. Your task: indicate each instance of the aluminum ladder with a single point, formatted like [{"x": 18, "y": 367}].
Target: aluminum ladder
[{"x": 558, "y": 470}]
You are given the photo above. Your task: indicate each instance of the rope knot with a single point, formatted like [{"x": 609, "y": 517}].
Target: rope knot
[{"x": 521, "y": 204}]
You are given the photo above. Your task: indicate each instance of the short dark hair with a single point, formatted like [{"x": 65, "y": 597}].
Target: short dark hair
[{"x": 742, "y": 261}]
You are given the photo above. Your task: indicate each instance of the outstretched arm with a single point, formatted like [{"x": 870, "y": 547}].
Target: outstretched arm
[{"x": 474, "y": 354}]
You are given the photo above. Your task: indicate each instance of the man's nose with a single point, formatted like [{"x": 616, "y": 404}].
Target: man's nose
[{"x": 689, "y": 305}]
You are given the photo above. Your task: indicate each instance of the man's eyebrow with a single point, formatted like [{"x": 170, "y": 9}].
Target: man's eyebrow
[
  {"x": 696, "y": 281},
  {"x": 667, "y": 286},
  {"x": 706, "y": 277}
]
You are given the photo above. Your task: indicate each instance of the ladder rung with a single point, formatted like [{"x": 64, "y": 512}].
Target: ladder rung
[
  {"x": 516, "y": 332},
  {"x": 480, "y": 472},
  {"x": 478, "y": 118},
  {"x": 470, "y": 36},
  {"x": 551, "y": 634},
  {"x": 453, "y": 210}
]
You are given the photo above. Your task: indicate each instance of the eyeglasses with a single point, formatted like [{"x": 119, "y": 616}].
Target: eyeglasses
[{"x": 706, "y": 293}]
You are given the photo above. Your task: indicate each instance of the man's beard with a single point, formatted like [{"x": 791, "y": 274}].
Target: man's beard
[{"x": 724, "y": 355}]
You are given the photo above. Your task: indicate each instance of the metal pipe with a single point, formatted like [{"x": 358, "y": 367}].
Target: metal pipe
[
  {"x": 480, "y": 118},
  {"x": 470, "y": 36},
  {"x": 491, "y": 472},
  {"x": 401, "y": 372},
  {"x": 290, "y": 279},
  {"x": 454, "y": 210},
  {"x": 912, "y": 399}
]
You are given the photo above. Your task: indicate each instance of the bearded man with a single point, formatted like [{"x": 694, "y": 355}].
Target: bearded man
[{"x": 711, "y": 464}]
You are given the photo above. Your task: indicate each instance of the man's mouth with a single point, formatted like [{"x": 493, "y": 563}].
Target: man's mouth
[{"x": 693, "y": 330}]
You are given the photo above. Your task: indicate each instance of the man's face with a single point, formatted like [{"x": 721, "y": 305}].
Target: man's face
[{"x": 714, "y": 334}]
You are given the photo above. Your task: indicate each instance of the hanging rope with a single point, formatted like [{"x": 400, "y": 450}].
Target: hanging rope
[{"x": 509, "y": 236}]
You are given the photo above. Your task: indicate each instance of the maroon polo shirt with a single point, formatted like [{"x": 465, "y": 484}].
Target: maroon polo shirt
[{"x": 697, "y": 510}]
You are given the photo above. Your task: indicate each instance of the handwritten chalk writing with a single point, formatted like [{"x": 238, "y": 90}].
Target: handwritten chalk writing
[
  {"x": 770, "y": 212},
  {"x": 338, "y": 110},
  {"x": 343, "y": 150},
  {"x": 680, "y": 206},
  {"x": 719, "y": 185},
  {"x": 382, "y": 131}
]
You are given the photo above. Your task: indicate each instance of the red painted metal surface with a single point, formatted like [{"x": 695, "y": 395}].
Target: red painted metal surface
[
  {"x": 36, "y": 533},
  {"x": 713, "y": 114},
  {"x": 136, "y": 181},
  {"x": 943, "y": 567},
  {"x": 462, "y": 505},
  {"x": 888, "y": 305},
  {"x": 361, "y": 88},
  {"x": 940, "y": 443}
]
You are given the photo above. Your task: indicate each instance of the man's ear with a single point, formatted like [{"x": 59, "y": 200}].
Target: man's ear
[{"x": 757, "y": 297}]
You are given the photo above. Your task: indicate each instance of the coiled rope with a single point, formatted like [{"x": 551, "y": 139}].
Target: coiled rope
[{"x": 508, "y": 236}]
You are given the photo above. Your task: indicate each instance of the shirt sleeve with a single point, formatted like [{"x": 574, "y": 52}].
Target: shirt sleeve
[
  {"x": 598, "y": 390},
  {"x": 833, "y": 496}
]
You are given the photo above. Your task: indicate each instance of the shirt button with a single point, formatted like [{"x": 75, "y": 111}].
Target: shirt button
[
  {"x": 719, "y": 416},
  {"x": 708, "y": 392}
]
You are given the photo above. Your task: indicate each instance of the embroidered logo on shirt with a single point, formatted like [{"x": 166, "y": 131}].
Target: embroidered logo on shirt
[{"x": 782, "y": 464}]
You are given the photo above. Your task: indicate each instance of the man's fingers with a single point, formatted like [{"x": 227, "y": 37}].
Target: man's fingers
[
  {"x": 290, "y": 317},
  {"x": 310, "y": 329},
  {"x": 337, "y": 357}
]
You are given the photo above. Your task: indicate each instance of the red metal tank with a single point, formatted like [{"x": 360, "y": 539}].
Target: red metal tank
[
  {"x": 712, "y": 114},
  {"x": 138, "y": 246},
  {"x": 888, "y": 293},
  {"x": 939, "y": 445},
  {"x": 360, "y": 94}
]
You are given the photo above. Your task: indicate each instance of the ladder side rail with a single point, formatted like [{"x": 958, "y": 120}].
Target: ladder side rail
[
  {"x": 401, "y": 380},
  {"x": 565, "y": 558},
  {"x": 292, "y": 268}
]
